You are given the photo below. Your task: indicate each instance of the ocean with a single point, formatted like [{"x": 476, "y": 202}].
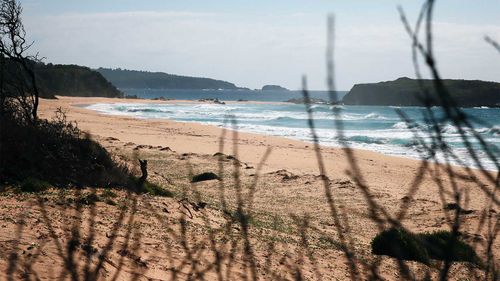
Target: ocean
[
  {"x": 375, "y": 128},
  {"x": 228, "y": 95}
]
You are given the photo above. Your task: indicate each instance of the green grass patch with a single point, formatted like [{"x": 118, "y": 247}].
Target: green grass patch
[
  {"x": 110, "y": 202},
  {"x": 273, "y": 222},
  {"x": 329, "y": 243},
  {"x": 108, "y": 193},
  {"x": 241, "y": 217},
  {"x": 122, "y": 205},
  {"x": 279, "y": 239},
  {"x": 88, "y": 199},
  {"x": 149, "y": 188},
  {"x": 107, "y": 196},
  {"x": 155, "y": 190},
  {"x": 439, "y": 245}
]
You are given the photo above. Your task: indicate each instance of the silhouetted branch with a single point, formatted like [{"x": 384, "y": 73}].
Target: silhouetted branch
[{"x": 492, "y": 42}]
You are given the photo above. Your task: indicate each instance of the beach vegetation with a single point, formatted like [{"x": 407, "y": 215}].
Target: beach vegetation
[
  {"x": 400, "y": 244},
  {"x": 154, "y": 189},
  {"x": 108, "y": 193},
  {"x": 329, "y": 243},
  {"x": 272, "y": 222},
  {"x": 439, "y": 245},
  {"x": 443, "y": 245},
  {"x": 88, "y": 199},
  {"x": 239, "y": 216},
  {"x": 57, "y": 152}
]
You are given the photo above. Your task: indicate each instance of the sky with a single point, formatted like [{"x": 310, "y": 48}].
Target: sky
[{"x": 257, "y": 42}]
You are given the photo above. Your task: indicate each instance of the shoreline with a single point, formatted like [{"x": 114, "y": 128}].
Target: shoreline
[
  {"x": 87, "y": 119},
  {"x": 192, "y": 137},
  {"x": 240, "y": 130}
]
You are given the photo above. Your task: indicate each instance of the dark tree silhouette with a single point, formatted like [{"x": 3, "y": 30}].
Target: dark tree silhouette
[{"x": 14, "y": 49}]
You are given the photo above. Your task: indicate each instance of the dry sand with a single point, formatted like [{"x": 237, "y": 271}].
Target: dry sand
[{"x": 288, "y": 190}]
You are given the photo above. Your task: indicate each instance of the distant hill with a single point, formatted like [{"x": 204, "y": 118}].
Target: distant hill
[
  {"x": 133, "y": 79},
  {"x": 73, "y": 80},
  {"x": 63, "y": 80},
  {"x": 407, "y": 92},
  {"x": 273, "y": 88}
]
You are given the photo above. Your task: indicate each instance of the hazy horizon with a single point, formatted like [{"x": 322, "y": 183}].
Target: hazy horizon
[{"x": 258, "y": 43}]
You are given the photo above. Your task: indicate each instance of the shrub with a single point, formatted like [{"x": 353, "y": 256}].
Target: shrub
[
  {"x": 442, "y": 245},
  {"x": 400, "y": 244},
  {"x": 205, "y": 177},
  {"x": 439, "y": 245},
  {"x": 55, "y": 151}
]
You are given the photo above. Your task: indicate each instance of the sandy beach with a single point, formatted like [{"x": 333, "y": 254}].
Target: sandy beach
[
  {"x": 196, "y": 138},
  {"x": 379, "y": 170},
  {"x": 288, "y": 188}
]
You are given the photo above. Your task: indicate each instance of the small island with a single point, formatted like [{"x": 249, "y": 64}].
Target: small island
[
  {"x": 407, "y": 92},
  {"x": 274, "y": 88}
]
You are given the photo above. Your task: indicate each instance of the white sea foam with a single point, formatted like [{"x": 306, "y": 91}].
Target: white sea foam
[
  {"x": 373, "y": 116},
  {"x": 382, "y": 130},
  {"x": 337, "y": 106},
  {"x": 400, "y": 125}
]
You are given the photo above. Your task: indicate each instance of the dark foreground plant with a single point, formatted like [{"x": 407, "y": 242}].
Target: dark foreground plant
[
  {"x": 33, "y": 185},
  {"x": 56, "y": 152},
  {"x": 400, "y": 244},
  {"x": 440, "y": 245},
  {"x": 443, "y": 245}
]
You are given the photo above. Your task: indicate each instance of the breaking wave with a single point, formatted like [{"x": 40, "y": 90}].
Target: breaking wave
[{"x": 374, "y": 128}]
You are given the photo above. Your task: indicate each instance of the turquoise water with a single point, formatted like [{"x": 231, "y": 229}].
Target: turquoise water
[{"x": 375, "y": 128}]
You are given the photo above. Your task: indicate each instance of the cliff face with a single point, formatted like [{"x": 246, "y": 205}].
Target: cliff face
[
  {"x": 132, "y": 79},
  {"x": 407, "y": 92}
]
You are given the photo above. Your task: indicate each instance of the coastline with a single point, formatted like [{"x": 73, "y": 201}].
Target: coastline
[
  {"x": 190, "y": 137},
  {"x": 187, "y": 137}
]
